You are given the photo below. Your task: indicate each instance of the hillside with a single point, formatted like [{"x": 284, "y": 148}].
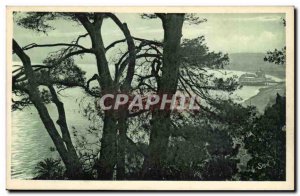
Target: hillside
[
  {"x": 266, "y": 96},
  {"x": 252, "y": 62}
]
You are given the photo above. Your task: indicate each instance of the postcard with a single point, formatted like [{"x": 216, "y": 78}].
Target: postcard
[{"x": 150, "y": 98}]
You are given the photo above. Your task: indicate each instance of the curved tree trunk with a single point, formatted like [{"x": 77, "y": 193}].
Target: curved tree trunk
[{"x": 69, "y": 157}]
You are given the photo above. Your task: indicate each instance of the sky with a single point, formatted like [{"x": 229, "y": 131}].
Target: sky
[{"x": 228, "y": 32}]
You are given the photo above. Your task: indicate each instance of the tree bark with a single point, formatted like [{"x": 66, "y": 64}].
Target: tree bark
[
  {"x": 122, "y": 140},
  {"x": 160, "y": 131},
  {"x": 108, "y": 151}
]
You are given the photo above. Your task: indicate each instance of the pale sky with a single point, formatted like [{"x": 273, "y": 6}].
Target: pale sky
[{"x": 228, "y": 33}]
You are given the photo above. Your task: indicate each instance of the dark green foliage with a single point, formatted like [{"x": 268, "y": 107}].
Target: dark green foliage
[
  {"x": 194, "y": 52},
  {"x": 36, "y": 21},
  {"x": 219, "y": 168},
  {"x": 64, "y": 74},
  {"x": 194, "y": 19},
  {"x": 54, "y": 169},
  {"x": 276, "y": 56},
  {"x": 67, "y": 73},
  {"x": 22, "y": 100},
  {"x": 204, "y": 153},
  {"x": 234, "y": 114},
  {"x": 266, "y": 143},
  {"x": 189, "y": 18},
  {"x": 49, "y": 169},
  {"x": 41, "y": 21}
]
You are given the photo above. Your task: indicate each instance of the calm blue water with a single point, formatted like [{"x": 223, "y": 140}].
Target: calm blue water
[{"x": 30, "y": 140}]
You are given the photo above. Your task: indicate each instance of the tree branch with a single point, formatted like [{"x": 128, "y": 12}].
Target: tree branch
[
  {"x": 34, "y": 45},
  {"x": 83, "y": 51},
  {"x": 131, "y": 49},
  {"x": 113, "y": 44}
]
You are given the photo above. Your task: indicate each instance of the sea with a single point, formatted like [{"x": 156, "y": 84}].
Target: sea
[{"x": 30, "y": 142}]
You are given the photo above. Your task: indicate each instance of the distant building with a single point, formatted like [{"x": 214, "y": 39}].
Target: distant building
[{"x": 255, "y": 79}]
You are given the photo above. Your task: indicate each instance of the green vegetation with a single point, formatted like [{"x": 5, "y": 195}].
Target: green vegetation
[
  {"x": 265, "y": 142},
  {"x": 50, "y": 169}
]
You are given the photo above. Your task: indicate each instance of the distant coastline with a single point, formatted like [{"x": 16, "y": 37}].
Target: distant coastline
[
  {"x": 251, "y": 62},
  {"x": 266, "y": 96}
]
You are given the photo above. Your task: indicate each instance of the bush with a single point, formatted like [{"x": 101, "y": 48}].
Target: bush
[{"x": 50, "y": 169}]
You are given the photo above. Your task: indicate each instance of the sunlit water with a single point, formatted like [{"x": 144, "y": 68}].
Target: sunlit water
[
  {"x": 30, "y": 140},
  {"x": 31, "y": 143}
]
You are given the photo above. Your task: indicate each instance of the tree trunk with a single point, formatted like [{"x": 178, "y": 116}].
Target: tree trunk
[
  {"x": 125, "y": 89},
  {"x": 108, "y": 151},
  {"x": 70, "y": 160},
  {"x": 122, "y": 140},
  {"x": 62, "y": 122},
  {"x": 160, "y": 131}
]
